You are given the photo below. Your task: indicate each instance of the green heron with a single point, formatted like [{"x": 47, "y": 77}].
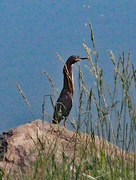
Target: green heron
[{"x": 65, "y": 100}]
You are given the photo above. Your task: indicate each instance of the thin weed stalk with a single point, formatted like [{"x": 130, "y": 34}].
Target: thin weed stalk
[{"x": 26, "y": 101}]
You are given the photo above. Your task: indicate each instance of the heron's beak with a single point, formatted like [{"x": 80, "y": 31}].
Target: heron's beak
[{"x": 81, "y": 58}]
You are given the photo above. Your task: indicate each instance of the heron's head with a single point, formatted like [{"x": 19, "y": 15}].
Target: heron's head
[{"x": 73, "y": 59}]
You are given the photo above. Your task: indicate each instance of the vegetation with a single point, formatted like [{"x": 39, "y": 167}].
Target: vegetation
[{"x": 107, "y": 111}]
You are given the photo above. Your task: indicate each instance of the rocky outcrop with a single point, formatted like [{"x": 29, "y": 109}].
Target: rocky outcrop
[{"x": 21, "y": 146}]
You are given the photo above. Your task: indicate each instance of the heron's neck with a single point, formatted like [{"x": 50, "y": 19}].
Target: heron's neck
[{"x": 68, "y": 79}]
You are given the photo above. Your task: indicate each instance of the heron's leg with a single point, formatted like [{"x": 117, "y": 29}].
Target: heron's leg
[{"x": 65, "y": 123}]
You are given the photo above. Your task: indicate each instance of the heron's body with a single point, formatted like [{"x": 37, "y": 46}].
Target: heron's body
[
  {"x": 64, "y": 103},
  {"x": 63, "y": 106}
]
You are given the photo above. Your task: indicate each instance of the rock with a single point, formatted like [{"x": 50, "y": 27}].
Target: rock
[{"x": 21, "y": 146}]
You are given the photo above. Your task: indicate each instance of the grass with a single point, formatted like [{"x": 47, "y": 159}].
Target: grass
[{"x": 108, "y": 112}]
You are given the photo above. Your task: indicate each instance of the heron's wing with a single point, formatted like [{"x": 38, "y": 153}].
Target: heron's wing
[{"x": 63, "y": 106}]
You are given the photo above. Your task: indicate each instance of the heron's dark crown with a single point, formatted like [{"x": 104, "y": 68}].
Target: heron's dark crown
[{"x": 72, "y": 59}]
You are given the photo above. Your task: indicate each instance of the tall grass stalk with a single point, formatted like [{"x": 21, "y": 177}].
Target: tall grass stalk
[{"x": 26, "y": 101}]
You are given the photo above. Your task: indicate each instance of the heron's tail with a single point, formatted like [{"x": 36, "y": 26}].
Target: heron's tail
[{"x": 54, "y": 121}]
